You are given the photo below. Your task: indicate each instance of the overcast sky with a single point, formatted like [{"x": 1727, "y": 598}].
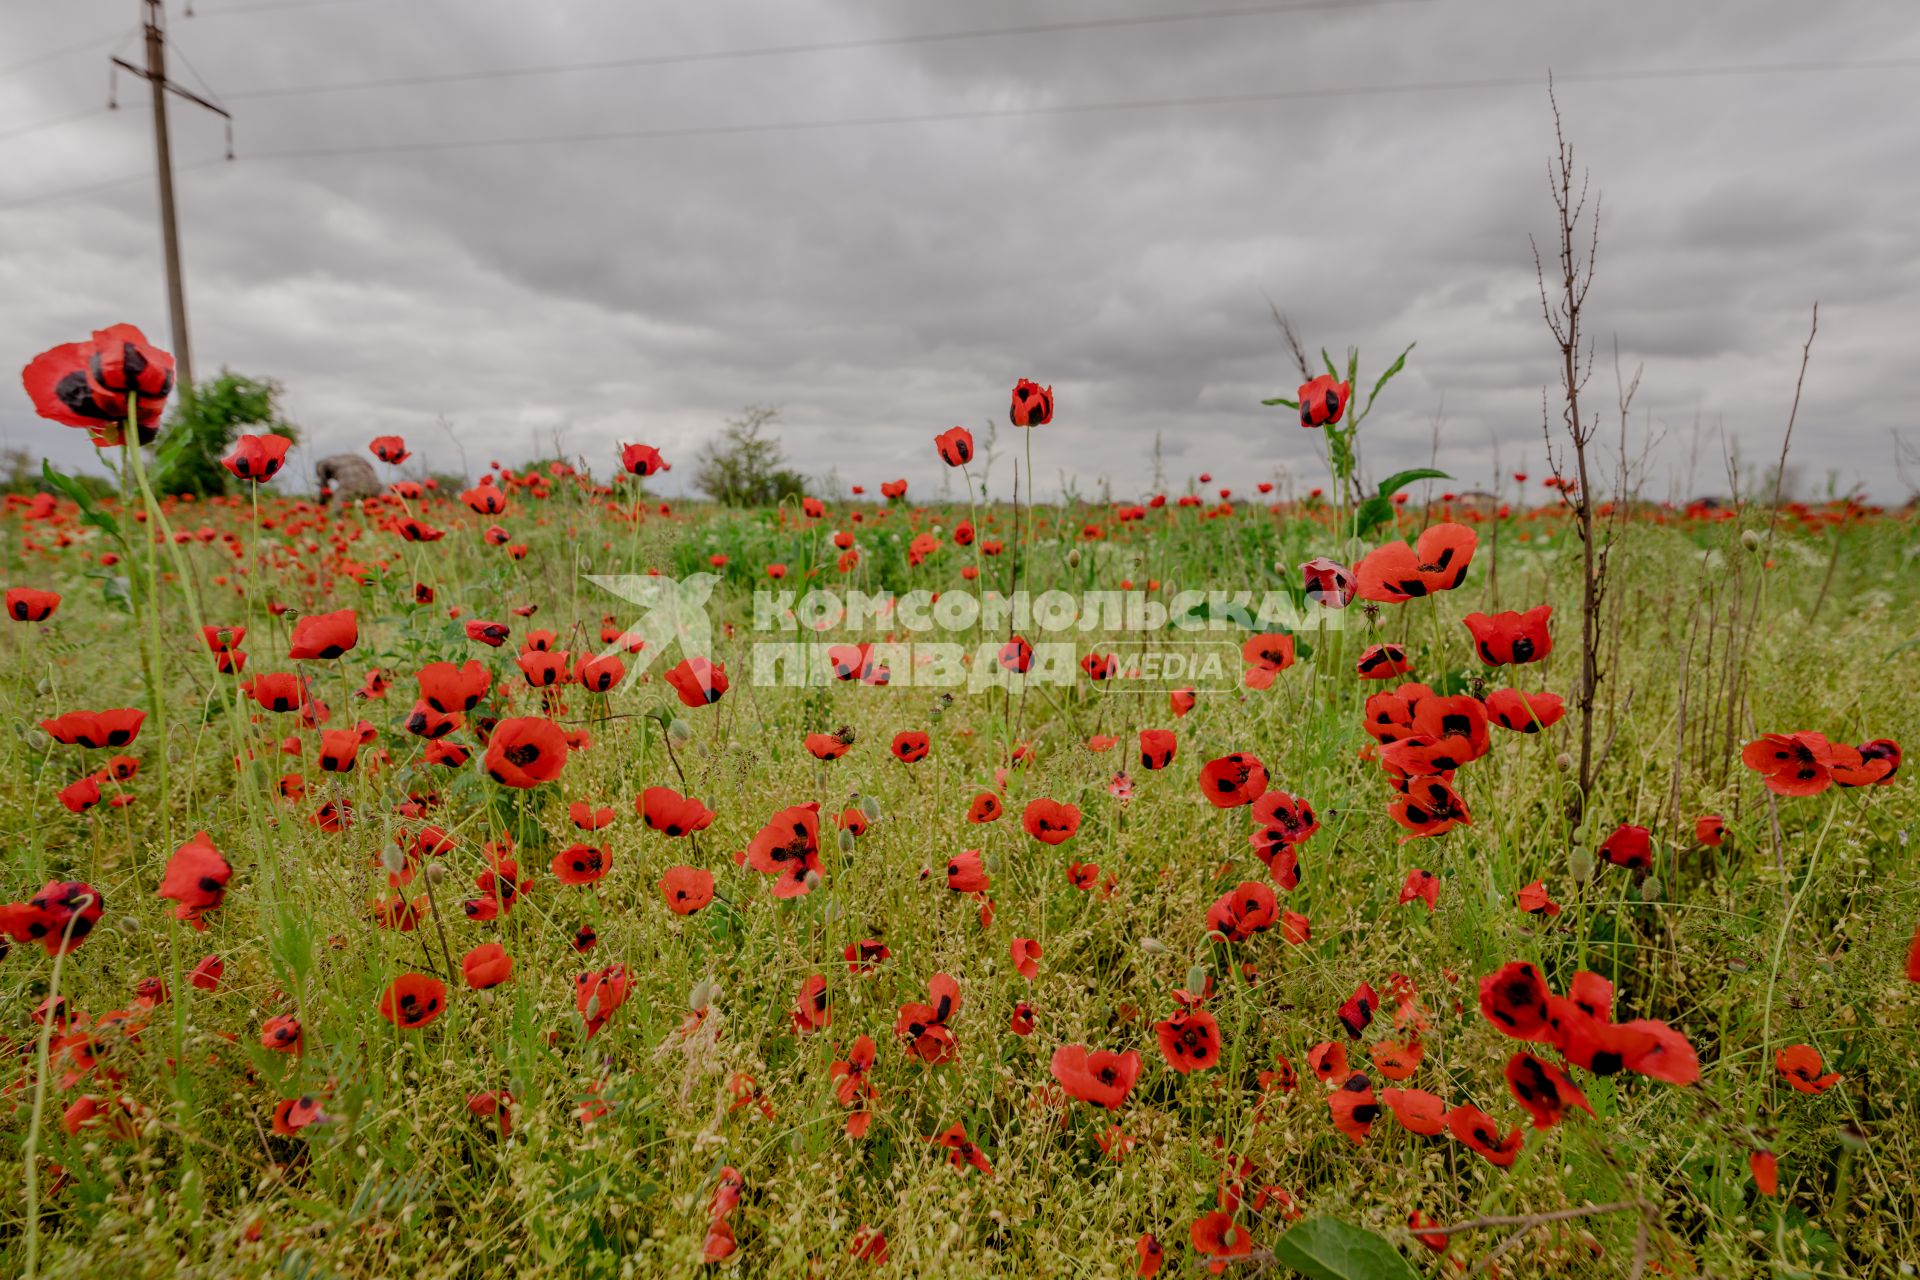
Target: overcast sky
[{"x": 880, "y": 282}]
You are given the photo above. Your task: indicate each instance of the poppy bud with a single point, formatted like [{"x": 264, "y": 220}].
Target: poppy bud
[
  {"x": 38, "y": 739},
  {"x": 1650, "y": 889},
  {"x": 592, "y": 1010},
  {"x": 436, "y": 873},
  {"x": 128, "y": 925},
  {"x": 812, "y": 880},
  {"x": 1197, "y": 980},
  {"x": 1580, "y": 863},
  {"x": 870, "y": 807},
  {"x": 680, "y": 731},
  {"x": 393, "y": 859},
  {"x": 1073, "y": 558},
  {"x": 1563, "y": 762},
  {"x": 846, "y": 842},
  {"x": 1153, "y": 946},
  {"x": 1750, "y": 539}
]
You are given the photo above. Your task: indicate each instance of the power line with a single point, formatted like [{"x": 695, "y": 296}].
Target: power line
[
  {"x": 994, "y": 113},
  {"x": 827, "y": 46},
  {"x": 66, "y": 51},
  {"x": 75, "y": 118},
  {"x": 124, "y": 180},
  {"x": 1090, "y": 108}
]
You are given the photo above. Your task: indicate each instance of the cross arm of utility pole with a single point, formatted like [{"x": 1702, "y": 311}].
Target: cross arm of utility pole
[{"x": 174, "y": 88}]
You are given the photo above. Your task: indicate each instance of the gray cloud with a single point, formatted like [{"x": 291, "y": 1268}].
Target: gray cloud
[{"x": 883, "y": 282}]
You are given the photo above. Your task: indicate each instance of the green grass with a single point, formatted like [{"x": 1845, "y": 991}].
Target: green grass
[{"x": 402, "y": 1179}]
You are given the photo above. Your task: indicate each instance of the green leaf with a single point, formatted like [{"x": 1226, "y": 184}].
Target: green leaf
[
  {"x": 72, "y": 491},
  {"x": 1370, "y": 515},
  {"x": 1328, "y": 361},
  {"x": 1392, "y": 369},
  {"x": 1329, "y": 1249},
  {"x": 1401, "y": 479},
  {"x": 1291, "y": 404}
]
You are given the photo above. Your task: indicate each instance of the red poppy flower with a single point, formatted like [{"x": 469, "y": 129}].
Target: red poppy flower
[
  {"x": 643, "y": 460},
  {"x": 598, "y": 994},
  {"x": 1272, "y": 652},
  {"x": 1356, "y": 1015},
  {"x": 1420, "y": 886},
  {"x": 1151, "y": 1255},
  {"x": 196, "y": 878},
  {"x": 1766, "y": 1172},
  {"x": 282, "y": 1034},
  {"x": 955, "y": 446},
  {"x": 1879, "y": 761},
  {"x": 1801, "y": 1065},
  {"x": 924, "y": 1026},
  {"x": 961, "y": 1153},
  {"x": 581, "y": 864},
  {"x": 865, "y": 956},
  {"x": 1798, "y": 764},
  {"x": 487, "y": 965},
  {"x": 96, "y": 729},
  {"x": 325, "y": 635},
  {"x": 1328, "y": 583},
  {"x": 60, "y": 917},
  {"x": 1233, "y": 780},
  {"x": 1190, "y": 1040},
  {"x": 26, "y": 604},
  {"x": 1434, "y": 1240},
  {"x": 1429, "y": 808},
  {"x": 206, "y": 974},
  {"x": 1098, "y": 1077},
  {"x": 1354, "y": 1107},
  {"x": 525, "y": 751},
  {"x": 811, "y": 1010},
  {"x": 413, "y": 1000},
  {"x": 1543, "y": 1089},
  {"x": 89, "y": 384},
  {"x": 1514, "y": 999},
  {"x": 291, "y": 1115},
  {"x": 686, "y": 889},
  {"x": 1323, "y": 400},
  {"x": 1218, "y": 1237},
  {"x": 1016, "y": 655},
  {"x": 1394, "y": 573},
  {"x": 1534, "y": 900},
  {"x": 1049, "y": 821},
  {"x": 1510, "y": 637},
  {"x": 671, "y": 814},
  {"x": 1629, "y": 846},
  {"x": 1524, "y": 712},
  {"x": 788, "y": 848},
  {"x": 1032, "y": 404},
  {"x": 257, "y": 457},
  {"x": 1481, "y": 1135},
  {"x": 910, "y": 747},
  {"x": 491, "y": 634},
  {"x": 389, "y": 449},
  {"x": 1382, "y": 662},
  {"x": 1417, "y": 1111},
  {"x": 698, "y": 681},
  {"x": 1247, "y": 910}
]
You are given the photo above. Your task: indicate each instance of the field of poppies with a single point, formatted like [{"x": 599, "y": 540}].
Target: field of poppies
[{"x": 387, "y": 891}]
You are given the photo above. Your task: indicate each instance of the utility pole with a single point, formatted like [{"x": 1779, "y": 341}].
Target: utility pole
[{"x": 155, "y": 74}]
